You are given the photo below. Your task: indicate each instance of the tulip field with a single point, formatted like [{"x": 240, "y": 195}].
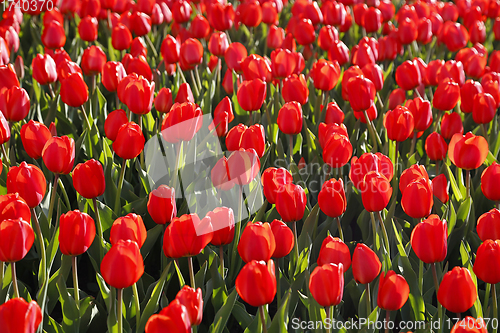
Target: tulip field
[{"x": 249, "y": 166}]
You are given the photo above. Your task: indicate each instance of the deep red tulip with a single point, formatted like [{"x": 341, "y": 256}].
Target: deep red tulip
[
  {"x": 285, "y": 63},
  {"x": 488, "y": 225},
  {"x": 181, "y": 11},
  {"x": 304, "y": 32},
  {"x": 284, "y": 239},
  {"x": 326, "y": 284},
  {"x": 331, "y": 199},
  {"x": 74, "y": 90},
  {"x": 129, "y": 227},
  {"x": 421, "y": 111},
  {"x": 138, "y": 47},
  {"x": 375, "y": 74},
  {"x": 87, "y": 29},
  {"x": 29, "y": 181},
  {"x": 137, "y": 93},
  {"x": 436, "y": 147},
  {"x": 190, "y": 54},
  {"x": 88, "y": 179},
  {"x": 453, "y": 35},
  {"x": 337, "y": 151},
  {"x": 256, "y": 67},
  {"x": 218, "y": 43},
  {"x": 440, "y": 188},
  {"x": 113, "y": 122},
  {"x": 187, "y": 236},
  {"x": 408, "y": 76},
  {"x": 429, "y": 239},
  {"x": 243, "y": 165},
  {"x": 59, "y": 154},
  {"x": 8, "y": 77},
  {"x": 249, "y": 13},
  {"x": 451, "y": 124},
  {"x": 53, "y": 35},
  {"x": 325, "y": 74},
  {"x": 112, "y": 73},
  {"x": 17, "y": 315},
  {"x": 234, "y": 55},
  {"x": 257, "y": 242},
  {"x": 446, "y": 96},
  {"x": 199, "y": 28},
  {"x": 269, "y": 13},
  {"x": 170, "y": 49},
  {"x": 44, "y": 69},
  {"x": 256, "y": 283},
  {"x": 291, "y": 202},
  {"x": 290, "y": 118},
  {"x": 467, "y": 93},
  {"x": 399, "y": 124},
  {"x": 339, "y": 52},
  {"x": 470, "y": 325},
  {"x": 121, "y": 37},
  {"x": 161, "y": 204},
  {"x": 334, "y": 251},
  {"x": 484, "y": 108},
  {"x": 76, "y": 233},
  {"x": 326, "y": 133},
  {"x": 361, "y": 93},
  {"x": 13, "y": 207},
  {"x": 397, "y": 97},
  {"x": 182, "y": 122},
  {"x": 327, "y": 36},
  {"x": 458, "y": 278},
  {"x": 370, "y": 162},
  {"x": 173, "y": 318},
  {"x": 193, "y": 301},
  {"x": 415, "y": 172},
  {"x": 67, "y": 67},
  {"x": 123, "y": 265},
  {"x": 223, "y": 225},
  {"x": 376, "y": 191},
  {"x": 489, "y": 179},
  {"x": 251, "y": 94},
  {"x": 334, "y": 114},
  {"x": 15, "y": 104},
  {"x": 219, "y": 175},
  {"x": 272, "y": 179},
  {"x": 129, "y": 141},
  {"x": 163, "y": 101},
  {"x": 16, "y": 239},
  {"x": 468, "y": 151},
  {"x": 140, "y": 23},
  {"x": 393, "y": 291},
  {"x": 453, "y": 70},
  {"x": 486, "y": 266},
  {"x": 275, "y": 37},
  {"x": 184, "y": 94},
  {"x": 365, "y": 264}
]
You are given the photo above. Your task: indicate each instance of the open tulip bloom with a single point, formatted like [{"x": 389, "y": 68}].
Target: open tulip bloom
[{"x": 213, "y": 166}]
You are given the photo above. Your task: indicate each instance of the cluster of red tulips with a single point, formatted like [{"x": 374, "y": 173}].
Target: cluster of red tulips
[{"x": 359, "y": 139}]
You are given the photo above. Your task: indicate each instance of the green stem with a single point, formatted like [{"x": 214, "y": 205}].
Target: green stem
[
  {"x": 368, "y": 300},
  {"x": 484, "y": 127},
  {"x": 137, "y": 306},
  {"x": 263, "y": 318},
  {"x": 413, "y": 142},
  {"x": 195, "y": 85},
  {"x": 14, "y": 279},
  {"x": 191, "y": 272},
  {"x": 75, "y": 281},
  {"x": 43, "y": 289},
  {"x": 221, "y": 258},
  {"x": 329, "y": 314},
  {"x": 198, "y": 80},
  {"x": 2, "y": 269},
  {"x": 371, "y": 130},
  {"x": 487, "y": 300},
  {"x": 6, "y": 157},
  {"x": 290, "y": 145},
  {"x": 53, "y": 198},
  {"x": 99, "y": 229},
  {"x": 384, "y": 232},
  {"x": 278, "y": 283},
  {"x": 339, "y": 226},
  {"x": 64, "y": 193},
  {"x": 296, "y": 243},
  {"x": 467, "y": 183},
  {"x": 395, "y": 186},
  {"x": 495, "y": 305},
  {"x": 119, "y": 190},
  {"x": 89, "y": 126},
  {"x": 119, "y": 310},
  {"x": 436, "y": 287}
]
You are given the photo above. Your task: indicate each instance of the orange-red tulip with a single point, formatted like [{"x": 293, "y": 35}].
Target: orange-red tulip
[
  {"x": 393, "y": 291},
  {"x": 468, "y": 151},
  {"x": 365, "y": 264},
  {"x": 458, "y": 278},
  {"x": 326, "y": 284},
  {"x": 257, "y": 242},
  {"x": 76, "y": 232},
  {"x": 123, "y": 265},
  {"x": 256, "y": 283}
]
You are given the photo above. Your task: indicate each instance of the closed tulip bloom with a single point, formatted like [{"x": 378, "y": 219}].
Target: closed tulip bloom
[
  {"x": 123, "y": 265},
  {"x": 467, "y": 93},
  {"x": 370, "y": 162},
  {"x": 421, "y": 111},
  {"x": 436, "y": 147},
  {"x": 112, "y": 73},
  {"x": 87, "y": 29},
  {"x": 15, "y": 104},
  {"x": 489, "y": 178},
  {"x": 440, "y": 188},
  {"x": 446, "y": 96},
  {"x": 290, "y": 118},
  {"x": 53, "y": 35},
  {"x": 326, "y": 132},
  {"x": 470, "y": 325},
  {"x": 113, "y": 122},
  {"x": 251, "y": 94},
  {"x": 16, "y": 239},
  {"x": 325, "y": 74},
  {"x": 326, "y": 284},
  {"x": 173, "y": 318},
  {"x": 223, "y": 225},
  {"x": 415, "y": 172},
  {"x": 121, "y": 37},
  {"x": 468, "y": 151},
  {"x": 285, "y": 63},
  {"x": 453, "y": 35},
  {"x": 331, "y": 199},
  {"x": 451, "y": 124},
  {"x": 181, "y": 11},
  {"x": 29, "y": 181},
  {"x": 257, "y": 242},
  {"x": 304, "y": 32},
  {"x": 393, "y": 291},
  {"x": 252, "y": 137},
  {"x": 129, "y": 227},
  {"x": 487, "y": 264},
  {"x": 337, "y": 151},
  {"x": 243, "y": 165},
  {"x": 291, "y": 202},
  {"x": 399, "y": 124},
  {"x": 484, "y": 108},
  {"x": 218, "y": 43},
  {"x": 361, "y": 93},
  {"x": 193, "y": 301},
  {"x": 8, "y": 77},
  {"x": 417, "y": 198},
  {"x": 17, "y": 315},
  {"x": 66, "y": 67},
  {"x": 44, "y": 69},
  {"x": 256, "y": 283},
  {"x": 429, "y": 239},
  {"x": 93, "y": 60},
  {"x": 408, "y": 75},
  {"x": 488, "y": 225},
  {"x": 223, "y": 115},
  {"x": 88, "y": 179},
  {"x": 129, "y": 141},
  {"x": 256, "y": 67},
  {"x": 365, "y": 264},
  {"x": 170, "y": 49},
  {"x": 13, "y": 207},
  {"x": 295, "y": 89},
  {"x": 140, "y": 23},
  {"x": 4, "y": 129},
  {"x": 376, "y": 191},
  {"x": 74, "y": 91},
  {"x": 59, "y": 154},
  {"x": 234, "y": 55},
  {"x": 334, "y": 251},
  {"x": 334, "y": 114},
  {"x": 138, "y": 47},
  {"x": 284, "y": 239},
  {"x": 187, "y": 236},
  {"x": 163, "y": 101},
  {"x": 397, "y": 97},
  {"x": 184, "y": 94},
  {"x": 272, "y": 179},
  {"x": 190, "y": 54},
  {"x": 200, "y": 28},
  {"x": 275, "y": 37},
  {"x": 76, "y": 233},
  {"x": 182, "y": 122},
  {"x": 458, "y": 278},
  {"x": 137, "y": 93},
  {"x": 161, "y": 204}
]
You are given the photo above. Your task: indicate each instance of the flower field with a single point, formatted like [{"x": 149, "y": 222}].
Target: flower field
[{"x": 249, "y": 166}]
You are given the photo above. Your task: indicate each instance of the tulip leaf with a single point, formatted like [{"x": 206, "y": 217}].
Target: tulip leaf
[
  {"x": 237, "y": 108},
  {"x": 53, "y": 326},
  {"x": 105, "y": 291},
  {"x": 223, "y": 314},
  {"x": 241, "y": 315},
  {"x": 310, "y": 224},
  {"x": 453, "y": 183},
  {"x": 490, "y": 159},
  {"x": 465, "y": 251},
  {"x": 151, "y": 239},
  {"x": 280, "y": 320},
  {"x": 71, "y": 315},
  {"x": 87, "y": 314}
]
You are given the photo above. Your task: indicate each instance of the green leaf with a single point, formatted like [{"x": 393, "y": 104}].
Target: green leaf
[
  {"x": 310, "y": 224},
  {"x": 454, "y": 185},
  {"x": 223, "y": 314},
  {"x": 71, "y": 315},
  {"x": 280, "y": 320}
]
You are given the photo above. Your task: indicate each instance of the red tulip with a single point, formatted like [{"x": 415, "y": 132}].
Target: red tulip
[
  {"x": 256, "y": 283},
  {"x": 467, "y": 152},
  {"x": 138, "y": 47},
  {"x": 331, "y": 199},
  {"x": 161, "y": 204},
  {"x": 173, "y": 318},
  {"x": 275, "y": 37},
  {"x": 218, "y": 43},
  {"x": 421, "y": 111},
  {"x": 334, "y": 115},
  {"x": 59, "y": 154},
  {"x": 251, "y": 94},
  {"x": 486, "y": 266},
  {"x": 291, "y": 202},
  {"x": 451, "y": 124},
  {"x": 458, "y": 278},
  {"x": 440, "y": 188},
  {"x": 66, "y": 67},
  {"x": 129, "y": 227},
  {"x": 418, "y": 191},
  {"x": 88, "y": 179},
  {"x": 187, "y": 236},
  {"x": 121, "y": 37},
  {"x": 327, "y": 36},
  {"x": 123, "y": 265},
  {"x": 429, "y": 239},
  {"x": 334, "y": 251},
  {"x": 53, "y": 35},
  {"x": 112, "y": 73},
  {"x": 252, "y": 137},
  {"x": 257, "y": 242},
  {"x": 223, "y": 225},
  {"x": 193, "y": 301},
  {"x": 182, "y": 122},
  {"x": 361, "y": 92},
  {"x": 413, "y": 173},
  {"x": 337, "y": 151},
  {"x": 490, "y": 177},
  {"x": 453, "y": 35},
  {"x": 129, "y": 141},
  {"x": 76, "y": 233},
  {"x": 44, "y": 69},
  {"x": 453, "y": 70},
  {"x": 290, "y": 118},
  {"x": 393, "y": 291},
  {"x": 325, "y": 74},
  {"x": 243, "y": 165},
  {"x": 256, "y": 67},
  {"x": 467, "y": 93},
  {"x": 13, "y": 207},
  {"x": 184, "y": 94},
  {"x": 376, "y": 191},
  {"x": 304, "y": 32},
  {"x": 326, "y": 132},
  {"x": 223, "y": 115},
  {"x": 484, "y": 108},
  {"x": 17, "y": 315},
  {"x": 488, "y": 225},
  {"x": 8, "y": 77},
  {"x": 338, "y": 52},
  {"x": 113, "y": 122},
  {"x": 326, "y": 284},
  {"x": 284, "y": 239},
  {"x": 272, "y": 179},
  {"x": 365, "y": 264},
  {"x": 74, "y": 90},
  {"x": 446, "y": 96},
  {"x": 370, "y": 162},
  {"x": 140, "y": 23},
  {"x": 181, "y": 11},
  {"x": 397, "y": 97},
  {"x": 199, "y": 28},
  {"x": 15, "y": 104},
  {"x": 285, "y": 63},
  {"x": 470, "y": 325},
  {"x": 16, "y": 239},
  {"x": 170, "y": 49},
  {"x": 408, "y": 75},
  {"x": 87, "y": 29},
  {"x": 29, "y": 181},
  {"x": 93, "y": 60},
  {"x": 190, "y": 54},
  {"x": 399, "y": 124},
  {"x": 435, "y": 147},
  {"x": 137, "y": 93},
  {"x": 163, "y": 101}
]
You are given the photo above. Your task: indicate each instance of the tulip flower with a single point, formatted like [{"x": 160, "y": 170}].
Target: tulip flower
[
  {"x": 87, "y": 29},
  {"x": 17, "y": 315},
  {"x": 15, "y": 104},
  {"x": 193, "y": 301},
  {"x": 256, "y": 283},
  {"x": 295, "y": 89},
  {"x": 272, "y": 179},
  {"x": 393, "y": 291},
  {"x": 470, "y": 325},
  {"x": 88, "y": 179},
  {"x": 257, "y": 242},
  {"x": 436, "y": 147},
  {"x": 332, "y": 200},
  {"x": 13, "y": 207},
  {"x": 290, "y": 118},
  {"x": 44, "y": 69},
  {"x": 370, "y": 162},
  {"x": 429, "y": 240},
  {"x": 112, "y": 74},
  {"x": 129, "y": 141},
  {"x": 93, "y": 60},
  {"x": 113, "y": 122},
  {"x": 334, "y": 251},
  {"x": 137, "y": 93},
  {"x": 337, "y": 150},
  {"x": 421, "y": 111},
  {"x": 334, "y": 115},
  {"x": 163, "y": 100},
  {"x": 488, "y": 225},
  {"x": 129, "y": 227},
  {"x": 376, "y": 191},
  {"x": 53, "y": 35},
  {"x": 285, "y": 63},
  {"x": 190, "y": 54},
  {"x": 161, "y": 204},
  {"x": 74, "y": 90},
  {"x": 467, "y": 93},
  {"x": 223, "y": 230},
  {"x": 218, "y": 43},
  {"x": 484, "y": 109},
  {"x": 59, "y": 154},
  {"x": 252, "y": 137},
  {"x": 408, "y": 75},
  {"x": 283, "y": 237},
  {"x": 365, "y": 264},
  {"x": 458, "y": 278},
  {"x": 182, "y": 122},
  {"x": 121, "y": 37},
  {"x": 29, "y": 181},
  {"x": 187, "y": 236},
  {"x": 399, "y": 124},
  {"x": 451, "y": 124},
  {"x": 486, "y": 266},
  {"x": 440, "y": 188},
  {"x": 184, "y": 94},
  {"x": 251, "y": 95},
  {"x": 326, "y": 284},
  {"x": 173, "y": 318},
  {"x": 325, "y": 74},
  {"x": 223, "y": 115},
  {"x": 446, "y": 96},
  {"x": 8, "y": 77},
  {"x": 490, "y": 177},
  {"x": 76, "y": 233},
  {"x": 122, "y": 266}
]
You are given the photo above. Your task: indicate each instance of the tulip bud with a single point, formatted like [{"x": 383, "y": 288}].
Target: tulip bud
[
  {"x": 440, "y": 187},
  {"x": 129, "y": 227},
  {"x": 16, "y": 239},
  {"x": 76, "y": 232},
  {"x": 193, "y": 301},
  {"x": 113, "y": 122},
  {"x": 272, "y": 179},
  {"x": 123, "y": 265},
  {"x": 487, "y": 261},
  {"x": 331, "y": 199},
  {"x": 284, "y": 238},
  {"x": 458, "y": 278},
  {"x": 435, "y": 147},
  {"x": 257, "y": 242},
  {"x": 161, "y": 204},
  {"x": 334, "y": 251},
  {"x": 326, "y": 284},
  {"x": 488, "y": 225},
  {"x": 223, "y": 224},
  {"x": 365, "y": 264},
  {"x": 256, "y": 283},
  {"x": 291, "y": 202},
  {"x": 393, "y": 291},
  {"x": 187, "y": 236},
  {"x": 59, "y": 154},
  {"x": 17, "y": 315},
  {"x": 129, "y": 141},
  {"x": 468, "y": 151}
]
